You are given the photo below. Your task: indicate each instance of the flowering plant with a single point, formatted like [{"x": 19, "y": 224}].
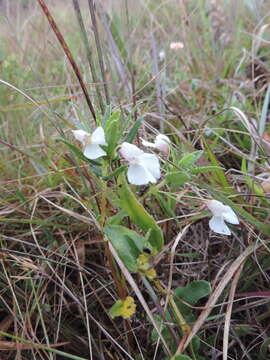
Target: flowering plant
[
  {"x": 92, "y": 142},
  {"x": 221, "y": 213},
  {"x": 162, "y": 143},
  {"x": 143, "y": 168}
]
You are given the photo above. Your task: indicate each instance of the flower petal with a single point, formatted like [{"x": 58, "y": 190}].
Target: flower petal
[
  {"x": 151, "y": 163},
  {"x": 216, "y": 207},
  {"x": 218, "y": 225},
  {"x": 230, "y": 216},
  {"x": 93, "y": 151},
  {"x": 98, "y": 136},
  {"x": 162, "y": 143},
  {"x": 164, "y": 138},
  {"x": 129, "y": 151},
  {"x": 81, "y": 135},
  {"x": 148, "y": 143},
  {"x": 138, "y": 175}
]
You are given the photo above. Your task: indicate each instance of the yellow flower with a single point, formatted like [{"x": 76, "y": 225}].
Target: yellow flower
[
  {"x": 144, "y": 267},
  {"x": 125, "y": 308},
  {"x": 129, "y": 307}
]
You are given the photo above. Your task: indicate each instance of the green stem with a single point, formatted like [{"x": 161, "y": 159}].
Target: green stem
[
  {"x": 153, "y": 189},
  {"x": 180, "y": 318}
]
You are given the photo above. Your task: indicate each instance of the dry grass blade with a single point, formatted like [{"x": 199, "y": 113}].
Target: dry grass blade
[
  {"x": 99, "y": 50},
  {"x": 158, "y": 81},
  {"x": 24, "y": 94},
  {"x": 216, "y": 294},
  {"x": 68, "y": 54},
  {"x": 70, "y": 212},
  {"x": 123, "y": 74},
  {"x": 12, "y": 345},
  {"x": 88, "y": 51},
  {"x": 229, "y": 312}
]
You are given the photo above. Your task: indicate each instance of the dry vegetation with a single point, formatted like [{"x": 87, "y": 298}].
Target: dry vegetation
[{"x": 62, "y": 267}]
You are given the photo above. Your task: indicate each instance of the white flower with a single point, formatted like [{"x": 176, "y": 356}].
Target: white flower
[
  {"x": 143, "y": 168},
  {"x": 91, "y": 143},
  {"x": 162, "y": 143},
  {"x": 221, "y": 213},
  {"x": 176, "y": 45},
  {"x": 162, "y": 55}
]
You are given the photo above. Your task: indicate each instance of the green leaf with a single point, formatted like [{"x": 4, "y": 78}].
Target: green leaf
[
  {"x": 128, "y": 244},
  {"x": 265, "y": 110},
  {"x": 112, "y": 131},
  {"x": 180, "y": 357},
  {"x": 194, "y": 291},
  {"x": 125, "y": 308},
  {"x": 191, "y": 294},
  {"x": 116, "y": 309},
  {"x": 133, "y": 132},
  {"x": 219, "y": 174},
  {"x": 264, "y": 349},
  {"x": 107, "y": 114},
  {"x": 249, "y": 181},
  {"x": 117, "y": 218},
  {"x": 115, "y": 173},
  {"x": 190, "y": 159},
  {"x": 177, "y": 178},
  {"x": 138, "y": 214},
  {"x": 203, "y": 169}
]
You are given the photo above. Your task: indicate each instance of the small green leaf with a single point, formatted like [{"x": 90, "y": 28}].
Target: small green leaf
[
  {"x": 115, "y": 173},
  {"x": 194, "y": 291},
  {"x": 219, "y": 174},
  {"x": 107, "y": 114},
  {"x": 117, "y": 218},
  {"x": 191, "y": 294},
  {"x": 190, "y": 159},
  {"x": 128, "y": 244},
  {"x": 133, "y": 132},
  {"x": 177, "y": 178},
  {"x": 264, "y": 349},
  {"x": 139, "y": 215},
  {"x": 180, "y": 357},
  {"x": 203, "y": 169},
  {"x": 112, "y": 130},
  {"x": 249, "y": 181}
]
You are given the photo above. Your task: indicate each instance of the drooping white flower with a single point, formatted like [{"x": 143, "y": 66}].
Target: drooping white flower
[
  {"x": 162, "y": 143},
  {"x": 143, "y": 168},
  {"x": 92, "y": 142},
  {"x": 176, "y": 45},
  {"x": 221, "y": 213},
  {"x": 161, "y": 55}
]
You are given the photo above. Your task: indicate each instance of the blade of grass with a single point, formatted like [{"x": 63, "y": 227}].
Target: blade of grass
[
  {"x": 88, "y": 51},
  {"x": 68, "y": 54},
  {"x": 229, "y": 312},
  {"x": 37, "y": 103},
  {"x": 41, "y": 347},
  {"x": 219, "y": 173},
  {"x": 265, "y": 111},
  {"x": 115, "y": 51},
  {"x": 99, "y": 50},
  {"x": 216, "y": 294}
]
